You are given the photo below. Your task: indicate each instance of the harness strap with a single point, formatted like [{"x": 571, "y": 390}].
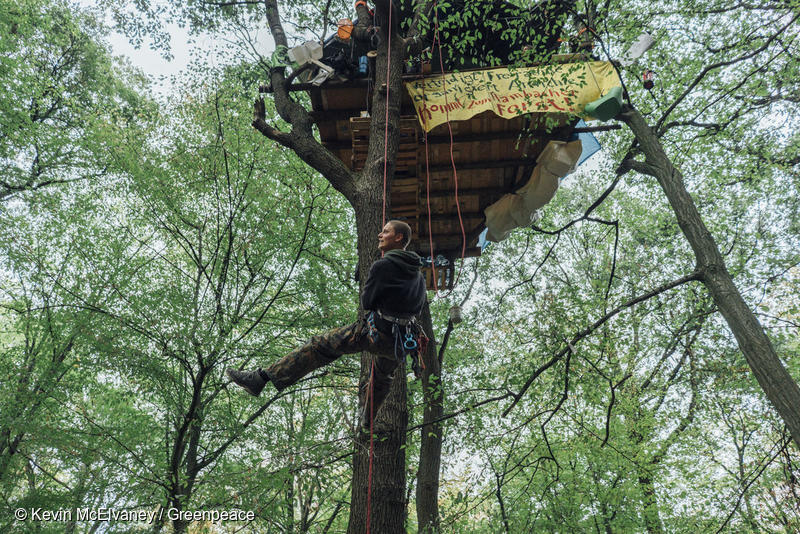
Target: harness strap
[
  {"x": 408, "y": 336},
  {"x": 402, "y": 321}
]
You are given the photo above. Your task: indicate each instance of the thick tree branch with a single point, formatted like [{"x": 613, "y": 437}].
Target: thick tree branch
[
  {"x": 639, "y": 166},
  {"x": 274, "y": 21},
  {"x": 260, "y": 124},
  {"x": 776, "y": 382},
  {"x": 418, "y": 38},
  {"x": 301, "y": 138}
]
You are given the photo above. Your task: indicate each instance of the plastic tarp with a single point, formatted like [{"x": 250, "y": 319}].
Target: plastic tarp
[
  {"x": 515, "y": 210},
  {"x": 589, "y": 143}
]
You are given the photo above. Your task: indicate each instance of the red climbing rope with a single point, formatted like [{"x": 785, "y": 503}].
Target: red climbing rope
[
  {"x": 428, "y": 200},
  {"x": 386, "y": 117},
  {"x": 437, "y": 41},
  {"x": 371, "y": 386},
  {"x": 428, "y": 190},
  {"x": 371, "y": 395}
]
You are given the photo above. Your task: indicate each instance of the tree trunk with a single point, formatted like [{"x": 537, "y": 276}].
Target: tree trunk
[
  {"x": 776, "y": 382},
  {"x": 387, "y": 506},
  {"x": 387, "y": 503},
  {"x": 179, "y": 525},
  {"x": 430, "y": 453},
  {"x": 365, "y": 192}
]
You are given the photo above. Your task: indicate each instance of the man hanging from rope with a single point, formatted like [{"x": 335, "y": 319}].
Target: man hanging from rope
[{"x": 392, "y": 298}]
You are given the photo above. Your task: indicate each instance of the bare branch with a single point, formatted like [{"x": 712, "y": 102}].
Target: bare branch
[
  {"x": 43, "y": 470},
  {"x": 696, "y": 275},
  {"x": 750, "y": 482},
  {"x": 611, "y": 406},
  {"x": 260, "y": 124},
  {"x": 714, "y": 66},
  {"x": 233, "y": 3},
  {"x": 416, "y": 40}
]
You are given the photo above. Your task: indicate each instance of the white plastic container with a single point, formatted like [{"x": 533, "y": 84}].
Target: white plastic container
[
  {"x": 637, "y": 49},
  {"x": 310, "y": 50}
]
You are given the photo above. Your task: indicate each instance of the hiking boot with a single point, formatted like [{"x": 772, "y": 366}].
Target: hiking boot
[{"x": 252, "y": 381}]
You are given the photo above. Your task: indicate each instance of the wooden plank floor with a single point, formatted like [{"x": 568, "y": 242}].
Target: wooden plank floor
[{"x": 493, "y": 156}]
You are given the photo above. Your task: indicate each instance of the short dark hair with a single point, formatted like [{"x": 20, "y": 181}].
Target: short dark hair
[{"x": 403, "y": 228}]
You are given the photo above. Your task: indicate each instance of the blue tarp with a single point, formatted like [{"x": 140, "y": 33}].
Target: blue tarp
[
  {"x": 588, "y": 143},
  {"x": 482, "y": 239}
]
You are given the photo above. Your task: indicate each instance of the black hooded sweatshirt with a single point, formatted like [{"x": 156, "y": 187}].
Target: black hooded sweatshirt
[{"x": 395, "y": 284}]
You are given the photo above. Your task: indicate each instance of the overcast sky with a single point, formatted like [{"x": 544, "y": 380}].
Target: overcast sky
[{"x": 151, "y": 61}]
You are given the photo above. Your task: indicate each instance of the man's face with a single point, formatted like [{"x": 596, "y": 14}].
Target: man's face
[{"x": 388, "y": 239}]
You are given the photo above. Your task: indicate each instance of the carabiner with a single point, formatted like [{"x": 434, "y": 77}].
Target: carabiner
[{"x": 372, "y": 330}]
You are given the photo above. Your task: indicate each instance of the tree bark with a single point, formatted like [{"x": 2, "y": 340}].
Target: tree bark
[
  {"x": 430, "y": 453},
  {"x": 776, "y": 382},
  {"x": 387, "y": 507},
  {"x": 388, "y": 501}
]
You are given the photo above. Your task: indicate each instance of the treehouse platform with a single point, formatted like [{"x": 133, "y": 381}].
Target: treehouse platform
[{"x": 493, "y": 156}]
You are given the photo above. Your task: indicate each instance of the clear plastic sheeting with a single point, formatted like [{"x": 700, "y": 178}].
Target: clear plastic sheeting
[{"x": 518, "y": 209}]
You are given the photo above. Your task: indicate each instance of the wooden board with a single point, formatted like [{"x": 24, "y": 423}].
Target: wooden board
[{"x": 492, "y": 157}]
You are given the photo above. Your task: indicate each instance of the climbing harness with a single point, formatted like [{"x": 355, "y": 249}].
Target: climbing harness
[
  {"x": 407, "y": 334},
  {"x": 402, "y": 321}
]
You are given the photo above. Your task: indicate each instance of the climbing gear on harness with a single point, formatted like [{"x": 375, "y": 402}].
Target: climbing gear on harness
[
  {"x": 423, "y": 347},
  {"x": 372, "y": 330},
  {"x": 409, "y": 343},
  {"x": 409, "y": 338},
  {"x": 407, "y": 334}
]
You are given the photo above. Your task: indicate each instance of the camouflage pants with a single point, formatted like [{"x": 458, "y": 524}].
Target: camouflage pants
[{"x": 325, "y": 348}]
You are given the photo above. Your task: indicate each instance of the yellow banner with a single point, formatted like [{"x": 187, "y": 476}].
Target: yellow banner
[{"x": 562, "y": 88}]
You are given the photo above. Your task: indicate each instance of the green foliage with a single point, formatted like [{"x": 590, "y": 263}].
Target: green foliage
[{"x": 62, "y": 95}]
